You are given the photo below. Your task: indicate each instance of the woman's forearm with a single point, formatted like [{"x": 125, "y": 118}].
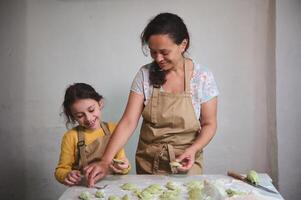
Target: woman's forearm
[
  {"x": 204, "y": 136},
  {"x": 208, "y": 125},
  {"x": 121, "y": 135},
  {"x": 125, "y": 127}
]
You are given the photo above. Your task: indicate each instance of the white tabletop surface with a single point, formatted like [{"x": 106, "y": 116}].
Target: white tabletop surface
[{"x": 142, "y": 181}]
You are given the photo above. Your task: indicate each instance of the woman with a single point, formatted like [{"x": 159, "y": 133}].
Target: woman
[{"x": 177, "y": 100}]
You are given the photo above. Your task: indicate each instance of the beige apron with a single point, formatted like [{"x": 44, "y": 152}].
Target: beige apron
[
  {"x": 169, "y": 127},
  {"x": 92, "y": 152}
]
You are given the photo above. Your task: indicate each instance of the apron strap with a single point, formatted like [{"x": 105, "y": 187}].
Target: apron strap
[
  {"x": 81, "y": 147},
  {"x": 186, "y": 79},
  {"x": 171, "y": 154},
  {"x": 154, "y": 104},
  {"x": 105, "y": 128},
  {"x": 172, "y": 157}
]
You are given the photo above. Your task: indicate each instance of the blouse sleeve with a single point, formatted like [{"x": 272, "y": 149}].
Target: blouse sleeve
[
  {"x": 209, "y": 86},
  {"x": 137, "y": 84}
]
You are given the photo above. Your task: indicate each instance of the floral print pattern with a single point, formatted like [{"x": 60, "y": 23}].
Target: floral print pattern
[{"x": 202, "y": 84}]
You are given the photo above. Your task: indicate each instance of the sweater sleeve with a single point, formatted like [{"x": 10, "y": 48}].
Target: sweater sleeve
[{"x": 67, "y": 157}]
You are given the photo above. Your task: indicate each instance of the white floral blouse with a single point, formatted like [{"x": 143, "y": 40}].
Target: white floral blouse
[{"x": 202, "y": 84}]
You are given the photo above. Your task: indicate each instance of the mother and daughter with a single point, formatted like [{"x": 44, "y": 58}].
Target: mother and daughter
[{"x": 176, "y": 98}]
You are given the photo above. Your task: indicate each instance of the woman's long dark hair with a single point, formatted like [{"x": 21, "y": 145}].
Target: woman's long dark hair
[
  {"x": 76, "y": 92},
  {"x": 171, "y": 25}
]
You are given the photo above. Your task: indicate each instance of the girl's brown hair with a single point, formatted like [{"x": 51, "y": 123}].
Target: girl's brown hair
[{"x": 76, "y": 92}]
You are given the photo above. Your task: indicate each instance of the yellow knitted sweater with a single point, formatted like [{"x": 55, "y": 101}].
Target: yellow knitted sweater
[{"x": 69, "y": 150}]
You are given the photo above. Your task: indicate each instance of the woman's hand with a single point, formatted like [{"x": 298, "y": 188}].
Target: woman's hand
[
  {"x": 73, "y": 178},
  {"x": 119, "y": 167},
  {"x": 186, "y": 159},
  {"x": 96, "y": 171}
]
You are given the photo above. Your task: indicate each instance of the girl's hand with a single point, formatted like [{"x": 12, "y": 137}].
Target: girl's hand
[
  {"x": 73, "y": 178},
  {"x": 96, "y": 171},
  {"x": 186, "y": 159},
  {"x": 118, "y": 167}
]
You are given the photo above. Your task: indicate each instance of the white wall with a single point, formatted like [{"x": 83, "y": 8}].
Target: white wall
[
  {"x": 288, "y": 51},
  {"x": 46, "y": 45}
]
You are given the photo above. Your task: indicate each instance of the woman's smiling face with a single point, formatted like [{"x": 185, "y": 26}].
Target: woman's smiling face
[
  {"x": 165, "y": 52},
  {"x": 87, "y": 113}
]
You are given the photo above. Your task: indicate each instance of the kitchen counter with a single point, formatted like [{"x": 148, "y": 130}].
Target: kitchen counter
[{"x": 142, "y": 181}]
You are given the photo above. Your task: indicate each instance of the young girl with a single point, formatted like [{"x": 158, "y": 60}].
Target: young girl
[{"x": 86, "y": 142}]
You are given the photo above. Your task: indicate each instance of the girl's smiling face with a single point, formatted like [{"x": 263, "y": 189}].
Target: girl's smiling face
[{"x": 87, "y": 113}]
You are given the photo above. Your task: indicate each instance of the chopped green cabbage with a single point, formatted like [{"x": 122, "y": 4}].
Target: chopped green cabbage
[
  {"x": 232, "y": 192},
  {"x": 145, "y": 195},
  {"x": 113, "y": 197},
  {"x": 85, "y": 196},
  {"x": 175, "y": 164},
  {"x": 172, "y": 186},
  {"x": 129, "y": 186},
  {"x": 170, "y": 195},
  {"x": 194, "y": 184},
  {"x": 100, "y": 194},
  {"x": 126, "y": 197},
  {"x": 154, "y": 189},
  {"x": 195, "y": 194},
  {"x": 253, "y": 177}
]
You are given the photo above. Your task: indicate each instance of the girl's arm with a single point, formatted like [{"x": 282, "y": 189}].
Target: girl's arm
[
  {"x": 63, "y": 172},
  {"x": 123, "y": 131},
  {"x": 208, "y": 129}
]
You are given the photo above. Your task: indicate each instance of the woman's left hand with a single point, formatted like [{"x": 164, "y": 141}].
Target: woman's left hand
[{"x": 186, "y": 159}]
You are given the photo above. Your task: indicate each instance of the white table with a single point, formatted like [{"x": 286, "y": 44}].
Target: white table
[{"x": 114, "y": 183}]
